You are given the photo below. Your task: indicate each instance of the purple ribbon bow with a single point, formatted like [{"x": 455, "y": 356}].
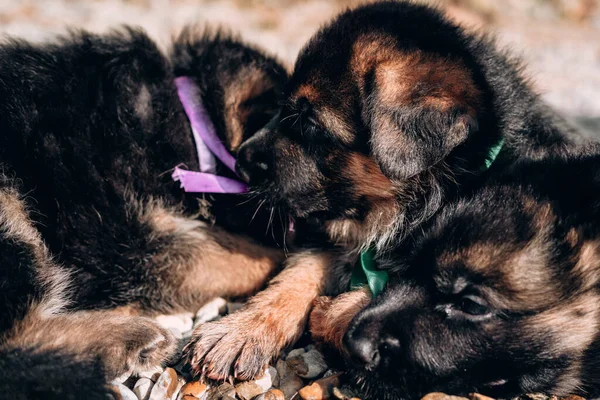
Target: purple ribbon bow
[{"x": 208, "y": 146}]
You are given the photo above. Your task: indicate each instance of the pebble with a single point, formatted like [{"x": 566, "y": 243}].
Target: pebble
[
  {"x": 344, "y": 393},
  {"x": 177, "y": 323},
  {"x": 122, "y": 392},
  {"x": 248, "y": 390},
  {"x": 224, "y": 391},
  {"x": 142, "y": 388},
  {"x": 153, "y": 374},
  {"x": 273, "y": 394},
  {"x": 289, "y": 382},
  {"x": 211, "y": 311},
  {"x": 295, "y": 353},
  {"x": 308, "y": 365},
  {"x": 166, "y": 386},
  {"x": 269, "y": 378},
  {"x": 442, "y": 396},
  {"x": 320, "y": 389},
  {"x": 195, "y": 389}
]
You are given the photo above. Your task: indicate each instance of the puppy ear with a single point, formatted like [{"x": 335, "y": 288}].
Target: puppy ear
[
  {"x": 241, "y": 86},
  {"x": 420, "y": 109},
  {"x": 407, "y": 141}
]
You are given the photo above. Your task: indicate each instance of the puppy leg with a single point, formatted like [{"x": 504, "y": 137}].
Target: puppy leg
[
  {"x": 194, "y": 262},
  {"x": 243, "y": 343},
  {"x": 122, "y": 344},
  {"x": 331, "y": 317}
]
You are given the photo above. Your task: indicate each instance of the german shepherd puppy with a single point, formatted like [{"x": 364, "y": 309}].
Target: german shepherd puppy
[
  {"x": 390, "y": 113},
  {"x": 94, "y": 233},
  {"x": 498, "y": 296}
]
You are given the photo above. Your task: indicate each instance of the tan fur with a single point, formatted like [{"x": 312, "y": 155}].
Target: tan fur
[
  {"x": 123, "y": 345},
  {"x": 245, "y": 341},
  {"x": 331, "y": 317},
  {"x": 250, "y": 83},
  {"x": 413, "y": 78},
  {"x": 203, "y": 262}
]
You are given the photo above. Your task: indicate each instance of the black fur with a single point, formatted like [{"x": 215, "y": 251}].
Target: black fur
[{"x": 91, "y": 128}]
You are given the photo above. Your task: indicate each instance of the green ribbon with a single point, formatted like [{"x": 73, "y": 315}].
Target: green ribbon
[
  {"x": 366, "y": 274},
  {"x": 492, "y": 155}
]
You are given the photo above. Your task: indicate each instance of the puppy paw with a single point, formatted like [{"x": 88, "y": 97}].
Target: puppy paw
[
  {"x": 136, "y": 345},
  {"x": 238, "y": 346},
  {"x": 330, "y": 317},
  {"x": 318, "y": 319}
]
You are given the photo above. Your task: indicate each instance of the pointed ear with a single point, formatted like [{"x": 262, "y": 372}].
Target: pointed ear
[
  {"x": 421, "y": 108},
  {"x": 251, "y": 98},
  {"x": 241, "y": 85}
]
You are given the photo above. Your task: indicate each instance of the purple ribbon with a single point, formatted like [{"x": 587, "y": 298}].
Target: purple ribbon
[{"x": 208, "y": 146}]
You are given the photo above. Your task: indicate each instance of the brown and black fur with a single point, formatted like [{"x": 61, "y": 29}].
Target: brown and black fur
[
  {"x": 95, "y": 236},
  {"x": 499, "y": 295},
  {"x": 390, "y": 113}
]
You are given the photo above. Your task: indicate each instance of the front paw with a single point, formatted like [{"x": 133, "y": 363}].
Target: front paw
[
  {"x": 134, "y": 346},
  {"x": 239, "y": 346}
]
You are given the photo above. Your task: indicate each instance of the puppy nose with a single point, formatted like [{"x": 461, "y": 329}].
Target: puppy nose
[
  {"x": 364, "y": 351},
  {"x": 252, "y": 164},
  {"x": 368, "y": 346}
]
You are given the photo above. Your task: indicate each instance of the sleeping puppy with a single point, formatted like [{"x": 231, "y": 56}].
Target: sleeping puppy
[
  {"x": 390, "y": 113},
  {"x": 95, "y": 235},
  {"x": 498, "y": 296}
]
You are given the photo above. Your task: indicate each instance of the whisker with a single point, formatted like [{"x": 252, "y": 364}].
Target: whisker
[{"x": 257, "y": 208}]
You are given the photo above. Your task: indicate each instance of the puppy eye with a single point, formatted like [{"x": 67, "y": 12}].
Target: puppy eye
[{"x": 473, "y": 305}]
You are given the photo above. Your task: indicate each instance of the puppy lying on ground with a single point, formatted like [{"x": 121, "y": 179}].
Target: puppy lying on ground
[
  {"x": 94, "y": 233},
  {"x": 498, "y": 296},
  {"x": 390, "y": 113}
]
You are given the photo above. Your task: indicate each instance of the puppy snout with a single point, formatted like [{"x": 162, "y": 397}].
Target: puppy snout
[
  {"x": 253, "y": 164},
  {"x": 368, "y": 346}
]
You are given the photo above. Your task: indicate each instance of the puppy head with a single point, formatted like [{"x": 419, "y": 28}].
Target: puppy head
[
  {"x": 498, "y": 298},
  {"x": 241, "y": 86},
  {"x": 376, "y": 108}
]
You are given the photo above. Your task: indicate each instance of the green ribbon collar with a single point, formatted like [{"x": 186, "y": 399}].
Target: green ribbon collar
[{"x": 365, "y": 272}]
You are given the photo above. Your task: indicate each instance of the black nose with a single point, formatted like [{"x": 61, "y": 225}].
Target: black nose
[
  {"x": 368, "y": 346},
  {"x": 252, "y": 163}
]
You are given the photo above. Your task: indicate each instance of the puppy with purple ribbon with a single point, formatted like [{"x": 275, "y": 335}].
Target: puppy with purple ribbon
[{"x": 119, "y": 199}]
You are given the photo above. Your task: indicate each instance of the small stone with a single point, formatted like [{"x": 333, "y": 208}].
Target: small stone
[
  {"x": 320, "y": 389},
  {"x": 442, "y": 396},
  {"x": 273, "y": 394},
  {"x": 142, "y": 388},
  {"x": 535, "y": 396},
  {"x": 295, "y": 353},
  {"x": 343, "y": 393},
  {"x": 308, "y": 365},
  {"x": 188, "y": 397},
  {"x": 178, "y": 322},
  {"x": 166, "y": 386},
  {"x": 479, "y": 396},
  {"x": 289, "y": 382},
  {"x": 572, "y": 397},
  {"x": 153, "y": 374},
  {"x": 233, "y": 307},
  {"x": 221, "y": 392},
  {"x": 211, "y": 311},
  {"x": 268, "y": 379},
  {"x": 122, "y": 392},
  {"x": 248, "y": 390},
  {"x": 195, "y": 389}
]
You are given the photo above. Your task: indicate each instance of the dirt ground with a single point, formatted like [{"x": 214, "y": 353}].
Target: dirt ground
[{"x": 558, "y": 39}]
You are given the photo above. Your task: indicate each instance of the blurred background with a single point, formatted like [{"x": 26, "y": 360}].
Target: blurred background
[{"x": 558, "y": 39}]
